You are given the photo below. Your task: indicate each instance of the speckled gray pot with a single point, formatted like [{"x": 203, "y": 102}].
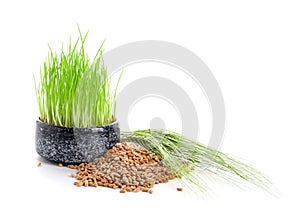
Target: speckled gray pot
[{"x": 74, "y": 145}]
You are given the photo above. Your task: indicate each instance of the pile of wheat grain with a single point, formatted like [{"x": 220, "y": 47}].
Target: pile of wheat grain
[{"x": 127, "y": 167}]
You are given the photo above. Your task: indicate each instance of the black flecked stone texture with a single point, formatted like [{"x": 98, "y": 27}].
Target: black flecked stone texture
[{"x": 74, "y": 145}]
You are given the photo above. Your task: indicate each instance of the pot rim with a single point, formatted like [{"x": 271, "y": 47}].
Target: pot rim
[{"x": 80, "y": 128}]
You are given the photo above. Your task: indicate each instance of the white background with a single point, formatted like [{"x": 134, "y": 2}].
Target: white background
[{"x": 253, "y": 49}]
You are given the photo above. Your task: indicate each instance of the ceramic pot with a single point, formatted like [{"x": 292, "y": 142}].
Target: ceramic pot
[{"x": 75, "y": 145}]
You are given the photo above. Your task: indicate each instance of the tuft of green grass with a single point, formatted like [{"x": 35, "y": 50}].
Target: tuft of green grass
[
  {"x": 75, "y": 90},
  {"x": 190, "y": 160}
]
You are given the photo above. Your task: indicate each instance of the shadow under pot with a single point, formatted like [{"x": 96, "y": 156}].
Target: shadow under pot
[{"x": 75, "y": 145}]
